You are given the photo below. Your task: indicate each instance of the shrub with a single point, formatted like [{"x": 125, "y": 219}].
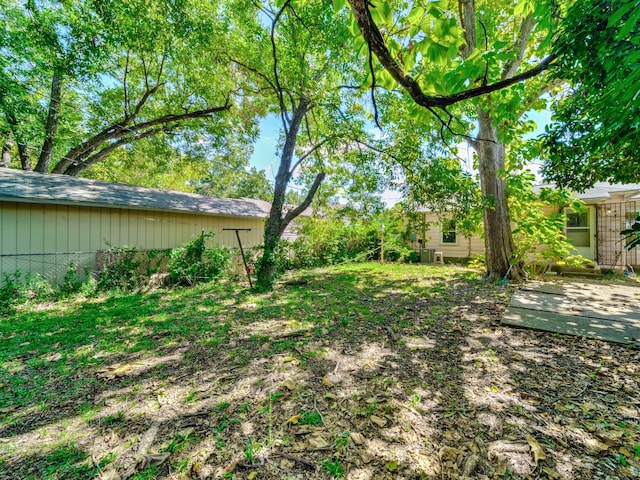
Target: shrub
[
  {"x": 12, "y": 292},
  {"x": 120, "y": 269},
  {"x": 195, "y": 262},
  {"x": 333, "y": 240}
]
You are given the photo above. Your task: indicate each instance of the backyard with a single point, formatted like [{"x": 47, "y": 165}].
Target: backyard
[{"x": 363, "y": 371}]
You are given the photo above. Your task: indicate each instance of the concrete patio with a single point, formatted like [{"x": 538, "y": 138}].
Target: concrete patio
[{"x": 601, "y": 310}]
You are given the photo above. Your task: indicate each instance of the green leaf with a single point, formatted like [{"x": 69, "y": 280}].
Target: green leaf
[
  {"x": 337, "y": 5},
  {"x": 385, "y": 80},
  {"x": 630, "y": 24},
  {"x": 618, "y": 14},
  {"x": 416, "y": 14}
]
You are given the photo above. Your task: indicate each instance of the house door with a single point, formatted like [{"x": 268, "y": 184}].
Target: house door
[{"x": 580, "y": 229}]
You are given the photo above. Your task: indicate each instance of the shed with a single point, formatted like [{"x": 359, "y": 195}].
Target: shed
[{"x": 48, "y": 221}]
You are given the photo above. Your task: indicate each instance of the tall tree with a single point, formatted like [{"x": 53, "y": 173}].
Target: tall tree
[
  {"x": 472, "y": 56},
  {"x": 80, "y": 80},
  {"x": 595, "y": 135},
  {"x": 297, "y": 66}
]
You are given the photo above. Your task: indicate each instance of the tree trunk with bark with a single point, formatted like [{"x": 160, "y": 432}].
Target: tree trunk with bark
[
  {"x": 51, "y": 127},
  {"x": 277, "y": 222},
  {"x": 498, "y": 240}
]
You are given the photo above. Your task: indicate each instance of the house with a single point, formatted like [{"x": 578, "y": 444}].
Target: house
[
  {"x": 595, "y": 233},
  {"x": 48, "y": 222}
]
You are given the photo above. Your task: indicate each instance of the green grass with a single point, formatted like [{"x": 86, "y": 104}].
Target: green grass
[{"x": 55, "y": 360}]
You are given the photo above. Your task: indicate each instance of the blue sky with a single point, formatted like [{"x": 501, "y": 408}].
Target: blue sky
[{"x": 265, "y": 155}]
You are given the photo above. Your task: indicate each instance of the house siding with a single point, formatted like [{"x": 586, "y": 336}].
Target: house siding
[
  {"x": 432, "y": 239},
  {"x": 45, "y": 239}
]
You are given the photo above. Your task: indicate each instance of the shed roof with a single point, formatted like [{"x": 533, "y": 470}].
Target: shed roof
[{"x": 21, "y": 186}]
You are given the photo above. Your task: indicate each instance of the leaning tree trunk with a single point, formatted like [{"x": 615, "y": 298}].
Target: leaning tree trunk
[
  {"x": 275, "y": 223},
  {"x": 498, "y": 240},
  {"x": 51, "y": 127}
]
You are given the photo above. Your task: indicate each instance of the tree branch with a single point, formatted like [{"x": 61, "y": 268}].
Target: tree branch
[
  {"x": 279, "y": 91},
  {"x": 526, "y": 29},
  {"x": 23, "y": 149},
  {"x": 305, "y": 203},
  {"x": 126, "y": 87},
  {"x": 374, "y": 39},
  {"x": 467, "y": 11},
  {"x": 307, "y": 155},
  {"x": 51, "y": 126},
  {"x": 255, "y": 71},
  {"x": 76, "y": 169},
  {"x": 120, "y": 130}
]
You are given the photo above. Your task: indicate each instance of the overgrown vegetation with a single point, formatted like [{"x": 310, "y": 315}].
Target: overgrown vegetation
[
  {"x": 124, "y": 269},
  {"x": 540, "y": 224},
  {"x": 374, "y": 368},
  {"x": 336, "y": 239}
]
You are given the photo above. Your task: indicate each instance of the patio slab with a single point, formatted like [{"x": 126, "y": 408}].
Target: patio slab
[{"x": 604, "y": 311}]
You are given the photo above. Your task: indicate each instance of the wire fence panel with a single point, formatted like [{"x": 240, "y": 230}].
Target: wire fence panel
[{"x": 52, "y": 266}]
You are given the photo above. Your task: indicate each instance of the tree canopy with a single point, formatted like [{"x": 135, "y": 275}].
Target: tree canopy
[
  {"x": 595, "y": 135},
  {"x": 463, "y": 65},
  {"x": 80, "y": 80}
]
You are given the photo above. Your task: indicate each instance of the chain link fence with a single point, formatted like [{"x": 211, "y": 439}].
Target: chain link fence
[{"x": 52, "y": 266}]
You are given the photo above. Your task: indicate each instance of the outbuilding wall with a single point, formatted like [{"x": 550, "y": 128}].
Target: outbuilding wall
[{"x": 46, "y": 239}]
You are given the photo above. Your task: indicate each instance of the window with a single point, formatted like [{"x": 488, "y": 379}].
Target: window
[
  {"x": 578, "y": 229},
  {"x": 449, "y": 232}
]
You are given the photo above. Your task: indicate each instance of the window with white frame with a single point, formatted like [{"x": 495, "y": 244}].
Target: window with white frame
[{"x": 449, "y": 235}]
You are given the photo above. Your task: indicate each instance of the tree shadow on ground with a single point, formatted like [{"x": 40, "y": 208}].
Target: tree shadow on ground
[{"x": 367, "y": 371}]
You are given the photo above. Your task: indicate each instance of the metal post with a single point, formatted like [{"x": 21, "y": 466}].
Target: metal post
[{"x": 244, "y": 260}]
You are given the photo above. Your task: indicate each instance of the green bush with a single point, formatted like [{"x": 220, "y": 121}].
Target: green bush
[
  {"x": 12, "y": 292},
  {"x": 334, "y": 240},
  {"x": 195, "y": 262},
  {"x": 121, "y": 269},
  {"x": 15, "y": 291}
]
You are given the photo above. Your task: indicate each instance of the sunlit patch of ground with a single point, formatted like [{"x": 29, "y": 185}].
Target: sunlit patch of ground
[{"x": 365, "y": 372}]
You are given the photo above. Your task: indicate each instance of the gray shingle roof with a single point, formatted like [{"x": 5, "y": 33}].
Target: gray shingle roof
[
  {"x": 602, "y": 191},
  {"x": 20, "y": 186}
]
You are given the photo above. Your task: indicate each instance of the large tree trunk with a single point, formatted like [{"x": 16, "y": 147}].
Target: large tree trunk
[
  {"x": 498, "y": 240},
  {"x": 276, "y": 223},
  {"x": 51, "y": 127}
]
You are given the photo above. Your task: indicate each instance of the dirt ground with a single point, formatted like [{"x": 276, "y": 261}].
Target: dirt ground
[{"x": 376, "y": 377}]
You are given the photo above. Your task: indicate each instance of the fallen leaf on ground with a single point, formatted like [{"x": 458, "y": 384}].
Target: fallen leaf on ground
[
  {"x": 54, "y": 357},
  {"x": 327, "y": 382},
  {"x": 381, "y": 422},
  {"x": 289, "y": 384},
  {"x": 536, "y": 449},
  {"x": 154, "y": 459},
  {"x": 317, "y": 442},
  {"x": 294, "y": 420},
  {"x": 392, "y": 466}
]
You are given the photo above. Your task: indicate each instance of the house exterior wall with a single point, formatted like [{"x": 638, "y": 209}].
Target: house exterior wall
[
  {"x": 45, "y": 239},
  {"x": 432, "y": 239}
]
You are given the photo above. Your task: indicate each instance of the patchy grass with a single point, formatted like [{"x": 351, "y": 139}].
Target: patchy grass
[{"x": 367, "y": 371}]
